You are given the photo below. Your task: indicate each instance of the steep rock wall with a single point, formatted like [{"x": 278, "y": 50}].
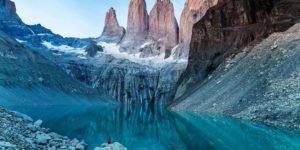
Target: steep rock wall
[
  {"x": 163, "y": 25},
  {"x": 137, "y": 25},
  {"x": 260, "y": 84},
  {"x": 228, "y": 27}
]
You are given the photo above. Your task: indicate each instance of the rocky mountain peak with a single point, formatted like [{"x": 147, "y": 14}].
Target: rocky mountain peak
[
  {"x": 112, "y": 31},
  {"x": 163, "y": 25},
  {"x": 137, "y": 24},
  {"x": 8, "y": 11},
  {"x": 7, "y": 8},
  {"x": 111, "y": 18}
]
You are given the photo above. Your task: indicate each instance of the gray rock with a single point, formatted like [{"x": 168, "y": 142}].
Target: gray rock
[
  {"x": 93, "y": 49},
  {"x": 7, "y": 144},
  {"x": 114, "y": 146},
  {"x": 80, "y": 146},
  {"x": 38, "y": 123},
  {"x": 42, "y": 138}
]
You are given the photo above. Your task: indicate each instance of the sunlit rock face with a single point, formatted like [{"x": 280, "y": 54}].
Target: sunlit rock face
[
  {"x": 192, "y": 12},
  {"x": 137, "y": 25},
  {"x": 152, "y": 35},
  {"x": 228, "y": 27},
  {"x": 163, "y": 25},
  {"x": 112, "y": 32}
]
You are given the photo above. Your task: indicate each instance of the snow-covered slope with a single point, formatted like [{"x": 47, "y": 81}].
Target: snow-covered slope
[
  {"x": 27, "y": 78},
  {"x": 260, "y": 84}
]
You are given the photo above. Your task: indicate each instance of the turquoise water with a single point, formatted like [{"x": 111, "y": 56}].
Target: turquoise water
[{"x": 156, "y": 129}]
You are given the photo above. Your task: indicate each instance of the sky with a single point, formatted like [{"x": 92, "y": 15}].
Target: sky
[{"x": 78, "y": 18}]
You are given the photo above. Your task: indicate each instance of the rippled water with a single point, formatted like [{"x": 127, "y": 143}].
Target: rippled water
[{"x": 156, "y": 129}]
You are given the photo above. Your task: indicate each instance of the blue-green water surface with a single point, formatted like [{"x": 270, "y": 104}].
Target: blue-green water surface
[{"x": 140, "y": 128}]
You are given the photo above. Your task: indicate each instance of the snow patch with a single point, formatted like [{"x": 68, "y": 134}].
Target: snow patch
[
  {"x": 146, "y": 44},
  {"x": 20, "y": 41},
  {"x": 154, "y": 61},
  {"x": 43, "y": 34},
  {"x": 65, "y": 49}
]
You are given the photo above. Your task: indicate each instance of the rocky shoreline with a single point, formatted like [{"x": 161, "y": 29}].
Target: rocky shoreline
[{"x": 18, "y": 131}]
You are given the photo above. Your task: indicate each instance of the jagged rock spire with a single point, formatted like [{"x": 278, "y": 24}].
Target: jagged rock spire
[
  {"x": 112, "y": 31},
  {"x": 163, "y": 24}
]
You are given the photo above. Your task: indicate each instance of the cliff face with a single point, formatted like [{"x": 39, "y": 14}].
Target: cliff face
[
  {"x": 192, "y": 12},
  {"x": 137, "y": 25},
  {"x": 227, "y": 28},
  {"x": 112, "y": 32},
  {"x": 163, "y": 25},
  {"x": 128, "y": 82},
  {"x": 8, "y": 11},
  {"x": 10, "y": 22}
]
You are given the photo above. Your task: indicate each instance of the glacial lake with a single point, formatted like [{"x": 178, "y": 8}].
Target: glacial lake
[{"x": 140, "y": 128}]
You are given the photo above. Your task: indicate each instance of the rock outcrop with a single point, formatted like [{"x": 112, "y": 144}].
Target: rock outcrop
[
  {"x": 137, "y": 25},
  {"x": 112, "y": 32},
  {"x": 228, "y": 27},
  {"x": 93, "y": 49},
  {"x": 163, "y": 25},
  {"x": 8, "y": 12}
]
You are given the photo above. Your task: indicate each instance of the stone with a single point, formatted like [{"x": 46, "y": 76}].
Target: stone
[
  {"x": 93, "y": 49},
  {"x": 32, "y": 128},
  {"x": 114, "y": 146},
  {"x": 112, "y": 32},
  {"x": 38, "y": 123},
  {"x": 6, "y": 144},
  {"x": 42, "y": 138},
  {"x": 80, "y": 146}
]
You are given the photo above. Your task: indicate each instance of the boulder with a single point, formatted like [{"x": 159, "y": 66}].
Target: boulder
[
  {"x": 114, "y": 146},
  {"x": 93, "y": 49}
]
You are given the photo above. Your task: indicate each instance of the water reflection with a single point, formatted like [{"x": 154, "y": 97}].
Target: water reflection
[
  {"x": 135, "y": 127},
  {"x": 143, "y": 128},
  {"x": 221, "y": 133}
]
